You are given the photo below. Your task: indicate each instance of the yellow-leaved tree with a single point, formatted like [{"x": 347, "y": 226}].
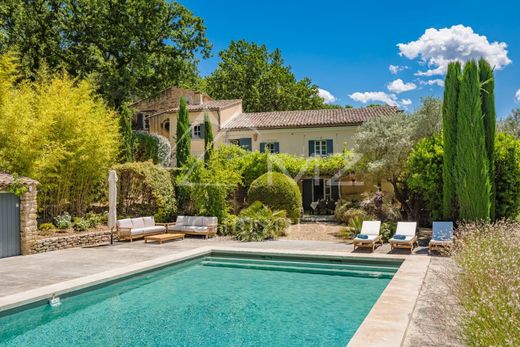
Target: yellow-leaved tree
[{"x": 59, "y": 132}]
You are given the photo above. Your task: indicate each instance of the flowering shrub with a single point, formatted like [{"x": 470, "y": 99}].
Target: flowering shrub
[{"x": 488, "y": 285}]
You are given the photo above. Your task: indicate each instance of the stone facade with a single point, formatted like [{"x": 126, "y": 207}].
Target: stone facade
[{"x": 56, "y": 243}]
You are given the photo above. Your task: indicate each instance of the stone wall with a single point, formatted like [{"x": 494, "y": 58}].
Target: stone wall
[
  {"x": 28, "y": 223},
  {"x": 70, "y": 241}
]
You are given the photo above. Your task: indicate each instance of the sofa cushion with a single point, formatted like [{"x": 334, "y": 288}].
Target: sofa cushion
[
  {"x": 196, "y": 220},
  {"x": 138, "y": 222},
  {"x": 157, "y": 229},
  {"x": 149, "y": 221},
  {"x": 188, "y": 228},
  {"x": 137, "y": 231},
  {"x": 124, "y": 223}
]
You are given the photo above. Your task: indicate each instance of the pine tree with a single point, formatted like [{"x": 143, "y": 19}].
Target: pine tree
[
  {"x": 208, "y": 139},
  {"x": 449, "y": 133},
  {"x": 487, "y": 96},
  {"x": 183, "y": 147},
  {"x": 472, "y": 184}
]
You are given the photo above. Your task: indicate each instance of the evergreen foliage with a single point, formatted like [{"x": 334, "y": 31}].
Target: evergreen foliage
[
  {"x": 183, "y": 140},
  {"x": 487, "y": 95},
  {"x": 507, "y": 175},
  {"x": 208, "y": 138},
  {"x": 127, "y": 136},
  {"x": 449, "y": 120},
  {"x": 148, "y": 146},
  {"x": 472, "y": 185}
]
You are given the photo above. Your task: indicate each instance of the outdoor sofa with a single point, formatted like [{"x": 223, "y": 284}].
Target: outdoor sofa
[
  {"x": 195, "y": 225},
  {"x": 133, "y": 228},
  {"x": 404, "y": 236},
  {"x": 442, "y": 236},
  {"x": 369, "y": 235}
]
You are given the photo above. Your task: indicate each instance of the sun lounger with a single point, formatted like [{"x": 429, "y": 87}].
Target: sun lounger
[
  {"x": 404, "y": 236},
  {"x": 371, "y": 230},
  {"x": 442, "y": 236}
]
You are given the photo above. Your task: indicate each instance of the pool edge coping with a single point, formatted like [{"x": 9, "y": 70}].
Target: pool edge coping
[{"x": 385, "y": 325}]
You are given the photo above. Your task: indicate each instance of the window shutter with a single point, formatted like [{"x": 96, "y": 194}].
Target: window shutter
[
  {"x": 311, "y": 148},
  {"x": 246, "y": 143},
  {"x": 276, "y": 147},
  {"x": 262, "y": 147},
  {"x": 202, "y": 130},
  {"x": 330, "y": 148}
]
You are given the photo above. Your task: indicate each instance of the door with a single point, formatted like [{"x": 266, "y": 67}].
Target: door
[
  {"x": 9, "y": 225},
  {"x": 307, "y": 194}
]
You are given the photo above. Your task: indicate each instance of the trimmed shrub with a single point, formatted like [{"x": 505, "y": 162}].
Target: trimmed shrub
[
  {"x": 45, "y": 226},
  {"x": 145, "y": 189},
  {"x": 279, "y": 192},
  {"x": 258, "y": 223},
  {"x": 81, "y": 224},
  {"x": 154, "y": 147},
  {"x": 507, "y": 176}
]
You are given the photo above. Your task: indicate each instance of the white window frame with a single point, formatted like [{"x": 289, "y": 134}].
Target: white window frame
[{"x": 320, "y": 148}]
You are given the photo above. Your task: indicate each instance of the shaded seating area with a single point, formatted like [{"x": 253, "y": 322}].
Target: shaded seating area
[
  {"x": 404, "y": 236},
  {"x": 195, "y": 225},
  {"x": 134, "y": 228},
  {"x": 369, "y": 236},
  {"x": 442, "y": 236}
]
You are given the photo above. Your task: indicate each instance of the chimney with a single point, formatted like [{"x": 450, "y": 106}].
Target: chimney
[{"x": 199, "y": 98}]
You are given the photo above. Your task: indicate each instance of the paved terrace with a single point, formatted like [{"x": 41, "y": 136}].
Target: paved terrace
[{"x": 19, "y": 274}]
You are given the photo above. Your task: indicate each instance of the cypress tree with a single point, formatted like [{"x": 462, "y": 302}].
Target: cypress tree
[
  {"x": 183, "y": 147},
  {"x": 471, "y": 163},
  {"x": 487, "y": 96},
  {"x": 449, "y": 134},
  {"x": 208, "y": 139}
]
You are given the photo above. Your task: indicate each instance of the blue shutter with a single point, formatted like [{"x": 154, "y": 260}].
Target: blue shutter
[
  {"x": 311, "y": 148},
  {"x": 330, "y": 148},
  {"x": 262, "y": 147},
  {"x": 202, "y": 130},
  {"x": 246, "y": 143},
  {"x": 276, "y": 147}
]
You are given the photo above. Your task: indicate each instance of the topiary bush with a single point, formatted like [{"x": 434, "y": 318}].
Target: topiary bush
[
  {"x": 145, "y": 189},
  {"x": 148, "y": 146},
  {"x": 279, "y": 192}
]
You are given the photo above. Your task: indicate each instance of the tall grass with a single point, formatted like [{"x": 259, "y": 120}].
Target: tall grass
[{"x": 488, "y": 284}]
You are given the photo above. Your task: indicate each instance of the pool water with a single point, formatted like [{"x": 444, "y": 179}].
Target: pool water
[{"x": 214, "y": 301}]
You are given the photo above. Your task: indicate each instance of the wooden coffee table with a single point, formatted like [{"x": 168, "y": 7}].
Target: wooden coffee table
[{"x": 163, "y": 237}]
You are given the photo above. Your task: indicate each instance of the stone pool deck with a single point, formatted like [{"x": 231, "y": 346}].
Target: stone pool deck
[{"x": 31, "y": 273}]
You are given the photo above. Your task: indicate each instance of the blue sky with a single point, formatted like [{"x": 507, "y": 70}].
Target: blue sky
[{"x": 346, "y": 47}]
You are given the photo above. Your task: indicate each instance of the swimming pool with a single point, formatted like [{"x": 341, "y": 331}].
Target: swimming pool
[{"x": 217, "y": 300}]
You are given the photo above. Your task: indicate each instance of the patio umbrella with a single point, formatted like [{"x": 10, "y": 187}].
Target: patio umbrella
[{"x": 112, "y": 203}]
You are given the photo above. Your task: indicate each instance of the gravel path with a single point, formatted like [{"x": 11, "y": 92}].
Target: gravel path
[{"x": 315, "y": 232}]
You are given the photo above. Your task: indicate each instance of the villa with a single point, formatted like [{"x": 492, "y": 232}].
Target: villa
[{"x": 304, "y": 133}]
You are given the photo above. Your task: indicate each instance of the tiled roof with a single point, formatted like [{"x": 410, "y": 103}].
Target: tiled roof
[
  {"x": 6, "y": 180},
  {"x": 213, "y": 105},
  {"x": 308, "y": 118}
]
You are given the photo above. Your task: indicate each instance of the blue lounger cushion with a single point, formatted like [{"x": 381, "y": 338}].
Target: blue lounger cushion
[
  {"x": 362, "y": 236},
  {"x": 399, "y": 237}
]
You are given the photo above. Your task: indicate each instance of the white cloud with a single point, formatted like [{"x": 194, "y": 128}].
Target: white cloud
[
  {"x": 326, "y": 96},
  {"x": 437, "y": 82},
  {"x": 398, "y": 86},
  {"x": 406, "y": 102},
  {"x": 517, "y": 95},
  {"x": 438, "y": 47},
  {"x": 394, "y": 69},
  {"x": 389, "y": 99}
]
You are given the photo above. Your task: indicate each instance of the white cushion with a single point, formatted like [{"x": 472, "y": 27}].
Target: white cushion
[
  {"x": 196, "y": 220},
  {"x": 370, "y": 238},
  {"x": 137, "y": 231},
  {"x": 371, "y": 227},
  {"x": 138, "y": 222},
  {"x": 406, "y": 228},
  {"x": 125, "y": 223},
  {"x": 188, "y": 228},
  {"x": 155, "y": 229},
  {"x": 149, "y": 221},
  {"x": 407, "y": 238}
]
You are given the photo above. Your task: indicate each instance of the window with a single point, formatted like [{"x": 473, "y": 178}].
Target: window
[
  {"x": 197, "y": 131},
  {"x": 235, "y": 142},
  {"x": 320, "y": 147},
  {"x": 166, "y": 125},
  {"x": 245, "y": 143},
  {"x": 270, "y": 147}
]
